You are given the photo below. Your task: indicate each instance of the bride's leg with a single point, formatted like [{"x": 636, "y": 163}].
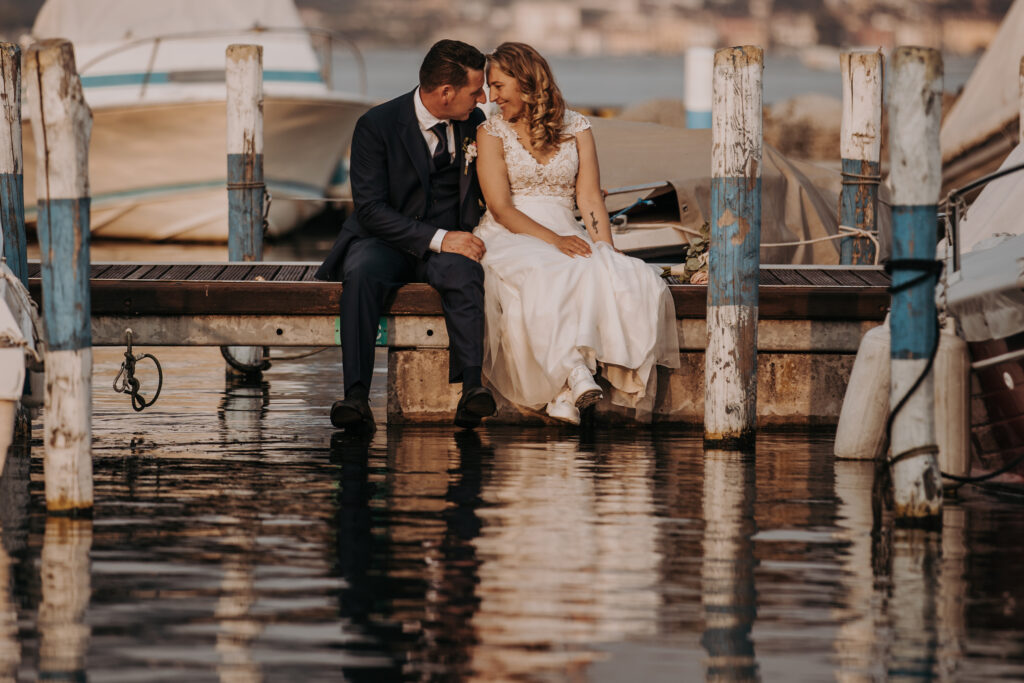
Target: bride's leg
[{"x": 583, "y": 389}]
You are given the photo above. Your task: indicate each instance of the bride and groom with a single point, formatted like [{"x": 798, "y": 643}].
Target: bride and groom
[{"x": 560, "y": 303}]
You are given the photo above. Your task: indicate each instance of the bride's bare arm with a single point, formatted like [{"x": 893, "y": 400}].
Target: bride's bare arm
[
  {"x": 493, "y": 176},
  {"x": 589, "y": 198}
]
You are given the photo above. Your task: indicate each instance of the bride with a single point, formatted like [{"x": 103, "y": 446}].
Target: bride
[{"x": 561, "y": 302}]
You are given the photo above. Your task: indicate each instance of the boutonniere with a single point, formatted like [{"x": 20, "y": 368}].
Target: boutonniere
[{"x": 469, "y": 152}]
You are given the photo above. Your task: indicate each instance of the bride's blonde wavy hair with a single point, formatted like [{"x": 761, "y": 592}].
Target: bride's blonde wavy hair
[{"x": 543, "y": 105}]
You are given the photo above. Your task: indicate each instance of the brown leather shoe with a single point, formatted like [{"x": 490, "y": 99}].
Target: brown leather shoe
[
  {"x": 353, "y": 414},
  {"x": 475, "y": 404}
]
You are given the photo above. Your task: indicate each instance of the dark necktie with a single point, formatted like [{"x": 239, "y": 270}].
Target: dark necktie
[{"x": 442, "y": 157}]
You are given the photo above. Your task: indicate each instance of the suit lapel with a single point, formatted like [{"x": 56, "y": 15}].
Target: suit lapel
[{"x": 412, "y": 138}]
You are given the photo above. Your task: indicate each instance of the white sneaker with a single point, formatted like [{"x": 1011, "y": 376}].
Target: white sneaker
[
  {"x": 561, "y": 408},
  {"x": 585, "y": 391}
]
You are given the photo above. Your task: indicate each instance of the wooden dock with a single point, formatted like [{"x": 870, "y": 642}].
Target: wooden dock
[{"x": 811, "y": 322}]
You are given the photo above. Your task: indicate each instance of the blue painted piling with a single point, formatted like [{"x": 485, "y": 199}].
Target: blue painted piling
[
  {"x": 12, "y": 182},
  {"x": 61, "y": 124},
  {"x": 730, "y": 396},
  {"x": 698, "y": 67},
  {"x": 860, "y": 147},
  {"x": 244, "y": 73},
  {"x": 915, "y": 112}
]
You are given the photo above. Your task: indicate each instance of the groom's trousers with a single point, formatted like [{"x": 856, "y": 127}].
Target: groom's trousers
[{"x": 371, "y": 273}]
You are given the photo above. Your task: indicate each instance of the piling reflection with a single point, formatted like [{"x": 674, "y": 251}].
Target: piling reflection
[
  {"x": 728, "y": 594},
  {"x": 242, "y": 408},
  {"x": 14, "y": 500},
  {"x": 237, "y": 628},
  {"x": 857, "y": 650},
  {"x": 65, "y": 587}
]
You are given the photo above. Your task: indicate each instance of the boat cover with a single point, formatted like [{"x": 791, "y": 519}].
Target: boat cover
[
  {"x": 999, "y": 207},
  {"x": 799, "y": 201},
  {"x": 991, "y": 96},
  {"x": 987, "y": 294},
  {"x": 89, "y": 21}
]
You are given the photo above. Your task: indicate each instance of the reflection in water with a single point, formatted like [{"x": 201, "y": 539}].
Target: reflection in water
[
  {"x": 727, "y": 573},
  {"x": 14, "y": 501},
  {"x": 64, "y": 572},
  {"x": 235, "y": 538}
]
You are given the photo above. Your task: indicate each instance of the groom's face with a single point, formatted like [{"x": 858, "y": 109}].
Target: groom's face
[{"x": 459, "y": 103}]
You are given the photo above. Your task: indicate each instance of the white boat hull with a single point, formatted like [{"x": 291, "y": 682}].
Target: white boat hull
[{"x": 157, "y": 172}]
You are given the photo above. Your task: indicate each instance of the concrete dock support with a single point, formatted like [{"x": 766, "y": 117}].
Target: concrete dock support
[
  {"x": 730, "y": 380},
  {"x": 12, "y": 182},
  {"x": 697, "y": 69},
  {"x": 860, "y": 148},
  {"x": 62, "y": 122},
  {"x": 244, "y": 74},
  {"x": 915, "y": 112}
]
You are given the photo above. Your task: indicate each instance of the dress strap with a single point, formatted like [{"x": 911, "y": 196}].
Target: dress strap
[
  {"x": 575, "y": 122},
  {"x": 499, "y": 128}
]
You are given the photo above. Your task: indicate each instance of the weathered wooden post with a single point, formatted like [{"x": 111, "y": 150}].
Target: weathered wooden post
[
  {"x": 915, "y": 110},
  {"x": 12, "y": 184},
  {"x": 1020, "y": 111},
  {"x": 65, "y": 587},
  {"x": 697, "y": 71},
  {"x": 61, "y": 124},
  {"x": 244, "y": 74},
  {"x": 727, "y": 589},
  {"x": 730, "y": 376},
  {"x": 860, "y": 147}
]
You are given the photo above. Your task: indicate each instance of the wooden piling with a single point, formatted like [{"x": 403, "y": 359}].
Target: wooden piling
[
  {"x": 730, "y": 384},
  {"x": 244, "y": 73},
  {"x": 860, "y": 148},
  {"x": 1020, "y": 110},
  {"x": 61, "y": 124},
  {"x": 915, "y": 111},
  {"x": 697, "y": 70},
  {"x": 12, "y": 182}
]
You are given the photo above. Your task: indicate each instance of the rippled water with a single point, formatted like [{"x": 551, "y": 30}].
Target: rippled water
[{"x": 234, "y": 539}]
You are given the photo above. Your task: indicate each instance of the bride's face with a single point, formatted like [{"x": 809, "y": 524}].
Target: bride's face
[{"x": 505, "y": 93}]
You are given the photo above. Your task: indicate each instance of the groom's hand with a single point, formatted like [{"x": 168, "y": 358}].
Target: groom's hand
[{"x": 465, "y": 243}]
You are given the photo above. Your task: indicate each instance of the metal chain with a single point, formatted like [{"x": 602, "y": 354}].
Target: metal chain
[{"x": 125, "y": 382}]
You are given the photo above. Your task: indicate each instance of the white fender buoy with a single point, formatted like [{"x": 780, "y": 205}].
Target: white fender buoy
[{"x": 861, "y": 431}]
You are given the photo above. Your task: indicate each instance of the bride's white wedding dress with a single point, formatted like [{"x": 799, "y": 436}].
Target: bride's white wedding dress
[{"x": 546, "y": 310}]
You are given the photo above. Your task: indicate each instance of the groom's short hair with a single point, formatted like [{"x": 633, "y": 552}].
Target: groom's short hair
[{"x": 446, "y": 64}]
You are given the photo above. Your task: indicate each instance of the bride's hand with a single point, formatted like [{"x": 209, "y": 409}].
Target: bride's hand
[{"x": 571, "y": 245}]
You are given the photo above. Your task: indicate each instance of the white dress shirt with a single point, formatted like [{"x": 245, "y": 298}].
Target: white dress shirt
[{"x": 426, "y": 121}]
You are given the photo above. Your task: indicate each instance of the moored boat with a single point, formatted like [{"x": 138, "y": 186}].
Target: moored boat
[{"x": 153, "y": 75}]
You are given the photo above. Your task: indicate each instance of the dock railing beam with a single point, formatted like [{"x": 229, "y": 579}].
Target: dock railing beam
[
  {"x": 860, "y": 148},
  {"x": 12, "y": 182},
  {"x": 915, "y": 111},
  {"x": 730, "y": 376},
  {"x": 244, "y": 73},
  {"x": 61, "y": 125}
]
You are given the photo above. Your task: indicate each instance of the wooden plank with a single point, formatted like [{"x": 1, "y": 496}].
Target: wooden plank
[
  {"x": 97, "y": 269},
  {"x": 309, "y": 276},
  {"x": 788, "y": 276},
  {"x": 208, "y": 272},
  {"x": 847, "y": 278},
  {"x": 34, "y": 268},
  {"x": 819, "y": 277},
  {"x": 263, "y": 272},
  {"x": 180, "y": 272},
  {"x": 290, "y": 274},
  {"x": 875, "y": 277},
  {"x": 117, "y": 271},
  {"x": 767, "y": 277},
  {"x": 235, "y": 272},
  {"x": 139, "y": 273}
]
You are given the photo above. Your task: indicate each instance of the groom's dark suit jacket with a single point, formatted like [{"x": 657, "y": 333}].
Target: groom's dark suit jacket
[{"x": 390, "y": 171}]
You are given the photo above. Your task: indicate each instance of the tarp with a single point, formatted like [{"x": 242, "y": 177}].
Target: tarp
[
  {"x": 97, "y": 21},
  {"x": 989, "y": 104},
  {"x": 987, "y": 294},
  {"x": 998, "y": 209},
  {"x": 800, "y": 200}
]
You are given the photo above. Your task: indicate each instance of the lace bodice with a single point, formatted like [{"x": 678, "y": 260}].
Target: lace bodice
[{"x": 529, "y": 177}]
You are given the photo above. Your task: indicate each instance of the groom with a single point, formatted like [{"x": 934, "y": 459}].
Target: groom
[{"x": 416, "y": 200}]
